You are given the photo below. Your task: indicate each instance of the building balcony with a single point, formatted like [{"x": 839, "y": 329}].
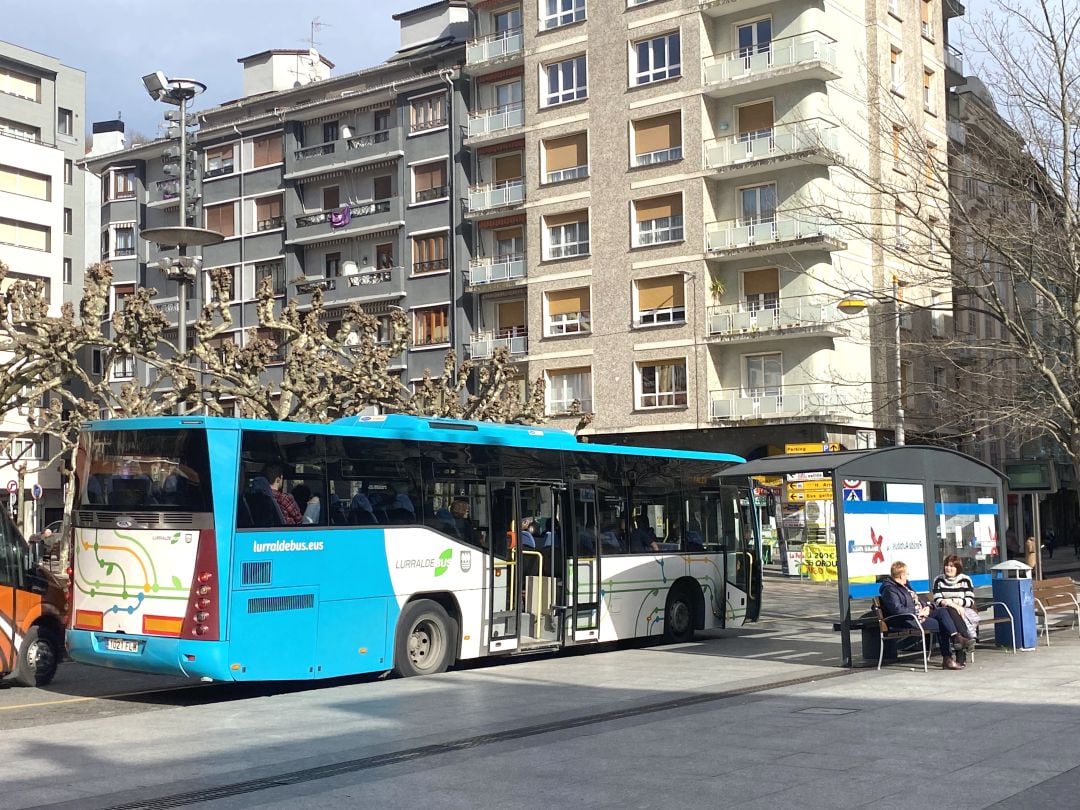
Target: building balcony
[
  {"x": 489, "y": 124},
  {"x": 367, "y": 284},
  {"x": 499, "y": 270},
  {"x": 812, "y": 141},
  {"x": 795, "y": 317},
  {"x": 344, "y": 153},
  {"x": 957, "y": 132},
  {"x": 165, "y": 194},
  {"x": 514, "y": 339},
  {"x": 491, "y": 196},
  {"x": 954, "y": 62},
  {"x": 722, "y": 8},
  {"x": 494, "y": 50},
  {"x": 799, "y": 402},
  {"x": 347, "y": 221},
  {"x": 780, "y": 233},
  {"x": 805, "y": 56}
]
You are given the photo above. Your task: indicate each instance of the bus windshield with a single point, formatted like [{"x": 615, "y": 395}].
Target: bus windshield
[{"x": 159, "y": 470}]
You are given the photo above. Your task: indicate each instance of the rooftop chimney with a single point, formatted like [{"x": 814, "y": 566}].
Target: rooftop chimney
[
  {"x": 274, "y": 70},
  {"x": 108, "y": 137}
]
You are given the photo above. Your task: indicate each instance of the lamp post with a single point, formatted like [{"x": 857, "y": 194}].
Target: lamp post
[
  {"x": 858, "y": 302},
  {"x": 184, "y": 268}
]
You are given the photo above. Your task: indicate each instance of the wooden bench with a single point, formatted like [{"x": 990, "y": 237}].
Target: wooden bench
[
  {"x": 893, "y": 633},
  {"x": 1055, "y": 595}
]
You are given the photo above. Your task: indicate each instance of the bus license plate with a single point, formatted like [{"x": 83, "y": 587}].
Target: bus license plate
[{"x": 121, "y": 645}]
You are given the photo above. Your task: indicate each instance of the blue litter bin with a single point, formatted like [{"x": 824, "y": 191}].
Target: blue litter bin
[{"x": 1011, "y": 582}]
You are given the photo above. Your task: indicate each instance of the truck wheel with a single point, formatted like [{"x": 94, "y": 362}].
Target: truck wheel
[
  {"x": 425, "y": 640},
  {"x": 39, "y": 656}
]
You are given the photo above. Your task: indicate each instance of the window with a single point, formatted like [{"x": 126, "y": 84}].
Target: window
[
  {"x": 662, "y": 384},
  {"x": 509, "y": 244},
  {"x": 755, "y": 122},
  {"x": 657, "y": 139},
  {"x": 655, "y": 60},
  {"x": 330, "y": 131},
  {"x": 123, "y": 368},
  {"x": 268, "y": 213},
  {"x": 937, "y": 314},
  {"x": 97, "y": 362},
  {"x": 928, "y": 90},
  {"x": 757, "y": 204},
  {"x": 20, "y": 84},
  {"x": 25, "y": 449},
  {"x": 568, "y": 386},
  {"x": 567, "y": 234},
  {"x": 764, "y": 375},
  {"x": 754, "y": 38},
  {"x": 123, "y": 184},
  {"x": 565, "y": 81},
  {"x": 896, "y": 70},
  {"x": 332, "y": 265},
  {"x": 124, "y": 241},
  {"x": 761, "y": 289},
  {"x": 382, "y": 187},
  {"x": 275, "y": 271},
  {"x": 27, "y": 184},
  {"x": 384, "y": 256},
  {"x": 105, "y": 244},
  {"x": 930, "y": 169},
  {"x": 331, "y": 198},
  {"x": 230, "y": 288},
  {"x": 67, "y": 271},
  {"x": 267, "y": 150},
  {"x": 567, "y": 311},
  {"x": 660, "y": 300},
  {"x": 428, "y": 112},
  {"x": 894, "y": 8},
  {"x": 13, "y": 129},
  {"x": 898, "y": 226},
  {"x": 429, "y": 253},
  {"x": 554, "y": 13},
  {"x": 65, "y": 121},
  {"x": 566, "y": 158},
  {"x": 69, "y": 172},
  {"x": 219, "y": 161},
  {"x": 221, "y": 218},
  {"x": 926, "y": 21},
  {"x": 897, "y": 139},
  {"x": 24, "y": 234},
  {"x": 658, "y": 220},
  {"x": 68, "y": 221},
  {"x": 429, "y": 182},
  {"x": 431, "y": 326}
]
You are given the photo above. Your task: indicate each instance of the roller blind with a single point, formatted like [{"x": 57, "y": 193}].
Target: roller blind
[
  {"x": 658, "y": 207},
  {"x": 554, "y": 220},
  {"x": 220, "y": 218},
  {"x": 753, "y": 117},
  {"x": 508, "y": 167},
  {"x": 428, "y": 177},
  {"x": 267, "y": 208},
  {"x": 267, "y": 150},
  {"x": 511, "y": 313},
  {"x": 657, "y": 134},
  {"x": 565, "y": 302},
  {"x": 20, "y": 181},
  {"x": 566, "y": 153},
  {"x": 757, "y": 282},
  {"x": 660, "y": 293}
]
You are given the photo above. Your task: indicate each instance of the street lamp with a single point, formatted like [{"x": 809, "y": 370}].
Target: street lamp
[
  {"x": 183, "y": 269},
  {"x": 855, "y": 303}
]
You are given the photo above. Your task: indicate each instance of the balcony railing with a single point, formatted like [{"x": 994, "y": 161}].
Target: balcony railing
[
  {"x": 821, "y": 400},
  {"x": 515, "y": 339},
  {"x": 366, "y": 283},
  {"x": 270, "y": 223},
  {"x": 762, "y": 59},
  {"x": 168, "y": 189},
  {"x": 776, "y": 141},
  {"x": 500, "y": 268},
  {"x": 368, "y": 139},
  {"x": 315, "y": 151},
  {"x": 780, "y": 228},
  {"x": 497, "y": 119},
  {"x": 496, "y": 195},
  {"x": 499, "y": 45},
  {"x": 796, "y": 313},
  {"x": 218, "y": 171},
  {"x": 123, "y": 251},
  {"x": 364, "y": 210},
  {"x": 429, "y": 194},
  {"x": 954, "y": 60},
  {"x": 430, "y": 265}
]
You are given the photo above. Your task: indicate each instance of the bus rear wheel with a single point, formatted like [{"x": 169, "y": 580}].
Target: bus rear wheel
[
  {"x": 39, "y": 657},
  {"x": 679, "y": 617},
  {"x": 425, "y": 640}
]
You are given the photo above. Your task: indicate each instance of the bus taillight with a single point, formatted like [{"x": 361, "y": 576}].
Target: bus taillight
[{"x": 201, "y": 619}]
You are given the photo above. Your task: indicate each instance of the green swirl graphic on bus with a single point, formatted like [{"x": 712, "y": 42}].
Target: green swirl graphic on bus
[{"x": 444, "y": 562}]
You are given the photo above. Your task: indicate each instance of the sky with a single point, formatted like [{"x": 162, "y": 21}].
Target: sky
[{"x": 117, "y": 42}]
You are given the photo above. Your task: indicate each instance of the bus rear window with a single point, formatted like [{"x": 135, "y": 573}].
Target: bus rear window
[{"x": 157, "y": 470}]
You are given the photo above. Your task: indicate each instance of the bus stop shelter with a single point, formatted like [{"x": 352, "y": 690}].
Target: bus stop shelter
[{"x": 912, "y": 503}]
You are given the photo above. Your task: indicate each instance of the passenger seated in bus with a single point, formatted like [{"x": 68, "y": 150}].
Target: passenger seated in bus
[
  {"x": 400, "y": 508},
  {"x": 643, "y": 538},
  {"x": 610, "y": 541},
  {"x": 587, "y": 538},
  {"x": 459, "y": 510},
  {"x": 527, "y": 536},
  {"x": 272, "y": 479},
  {"x": 312, "y": 508},
  {"x": 695, "y": 540}
]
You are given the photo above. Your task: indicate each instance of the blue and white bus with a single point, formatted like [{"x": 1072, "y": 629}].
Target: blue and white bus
[{"x": 232, "y": 549}]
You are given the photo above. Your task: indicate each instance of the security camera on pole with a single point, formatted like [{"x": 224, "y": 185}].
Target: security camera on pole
[{"x": 184, "y": 268}]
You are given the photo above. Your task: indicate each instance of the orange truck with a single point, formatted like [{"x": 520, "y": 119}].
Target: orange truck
[{"x": 33, "y": 606}]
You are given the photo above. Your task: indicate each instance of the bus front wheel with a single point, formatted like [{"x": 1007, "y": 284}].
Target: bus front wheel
[
  {"x": 425, "y": 639},
  {"x": 39, "y": 656},
  {"x": 679, "y": 617}
]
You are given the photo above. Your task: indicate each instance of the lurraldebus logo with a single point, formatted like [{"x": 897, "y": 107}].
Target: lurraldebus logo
[
  {"x": 444, "y": 562},
  {"x": 288, "y": 545},
  {"x": 439, "y": 566}
]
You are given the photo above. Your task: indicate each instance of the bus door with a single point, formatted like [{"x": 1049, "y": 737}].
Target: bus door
[
  {"x": 582, "y": 597},
  {"x": 730, "y": 508},
  {"x": 526, "y": 543}
]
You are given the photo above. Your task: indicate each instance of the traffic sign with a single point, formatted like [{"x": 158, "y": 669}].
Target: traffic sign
[
  {"x": 810, "y": 490},
  {"x": 852, "y": 483},
  {"x": 805, "y": 476},
  {"x": 12, "y": 486},
  {"x": 35, "y": 491},
  {"x": 812, "y": 447},
  {"x": 852, "y": 494}
]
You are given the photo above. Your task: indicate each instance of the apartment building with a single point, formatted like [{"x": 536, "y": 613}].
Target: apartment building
[
  {"x": 42, "y": 109},
  {"x": 346, "y": 183},
  {"x": 650, "y": 209}
]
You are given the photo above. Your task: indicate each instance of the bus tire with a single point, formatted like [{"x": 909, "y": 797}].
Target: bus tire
[
  {"x": 679, "y": 616},
  {"x": 39, "y": 657},
  {"x": 425, "y": 642}
]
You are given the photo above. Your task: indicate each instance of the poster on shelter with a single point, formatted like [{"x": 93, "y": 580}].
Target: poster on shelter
[{"x": 878, "y": 533}]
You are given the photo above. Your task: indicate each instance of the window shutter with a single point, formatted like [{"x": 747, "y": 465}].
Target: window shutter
[
  {"x": 565, "y": 302},
  {"x": 657, "y": 134},
  {"x": 759, "y": 282},
  {"x": 566, "y": 153},
  {"x": 508, "y": 167},
  {"x": 511, "y": 313},
  {"x": 554, "y": 220},
  {"x": 754, "y": 117},
  {"x": 660, "y": 293},
  {"x": 658, "y": 207}
]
